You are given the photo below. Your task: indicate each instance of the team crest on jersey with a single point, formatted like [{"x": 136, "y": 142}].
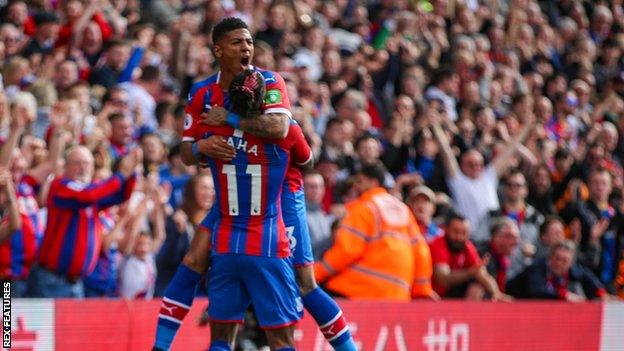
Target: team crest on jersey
[
  {"x": 273, "y": 97},
  {"x": 188, "y": 122}
]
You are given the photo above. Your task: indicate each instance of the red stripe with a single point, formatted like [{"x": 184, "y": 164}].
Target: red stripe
[
  {"x": 92, "y": 194},
  {"x": 5, "y": 259},
  {"x": 53, "y": 238},
  {"x": 256, "y": 235},
  {"x": 97, "y": 244},
  {"x": 279, "y": 325},
  {"x": 173, "y": 311},
  {"x": 333, "y": 329},
  {"x": 30, "y": 244}
]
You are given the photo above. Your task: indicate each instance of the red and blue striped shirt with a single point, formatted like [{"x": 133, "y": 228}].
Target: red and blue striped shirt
[
  {"x": 248, "y": 192},
  {"x": 73, "y": 236},
  {"x": 249, "y": 187},
  {"x": 17, "y": 254}
]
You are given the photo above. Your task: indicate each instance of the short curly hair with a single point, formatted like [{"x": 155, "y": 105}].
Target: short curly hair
[{"x": 226, "y": 25}]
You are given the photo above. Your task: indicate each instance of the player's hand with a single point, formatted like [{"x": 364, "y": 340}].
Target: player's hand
[
  {"x": 216, "y": 147},
  {"x": 215, "y": 117}
]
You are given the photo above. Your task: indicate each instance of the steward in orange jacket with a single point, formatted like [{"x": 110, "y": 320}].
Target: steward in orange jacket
[{"x": 378, "y": 252}]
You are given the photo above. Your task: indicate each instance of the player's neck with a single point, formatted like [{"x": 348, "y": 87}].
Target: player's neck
[{"x": 225, "y": 78}]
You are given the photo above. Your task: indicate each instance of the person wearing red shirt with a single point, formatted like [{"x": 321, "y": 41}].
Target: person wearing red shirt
[
  {"x": 73, "y": 237},
  {"x": 458, "y": 271}
]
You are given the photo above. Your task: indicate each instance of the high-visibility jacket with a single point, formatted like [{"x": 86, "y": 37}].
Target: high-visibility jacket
[{"x": 378, "y": 252}]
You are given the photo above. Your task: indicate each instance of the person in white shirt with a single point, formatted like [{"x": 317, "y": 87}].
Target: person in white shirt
[{"x": 473, "y": 185}]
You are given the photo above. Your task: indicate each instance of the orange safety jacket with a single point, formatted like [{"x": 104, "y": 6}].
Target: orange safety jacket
[{"x": 378, "y": 252}]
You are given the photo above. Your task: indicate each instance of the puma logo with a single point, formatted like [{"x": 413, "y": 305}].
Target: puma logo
[{"x": 169, "y": 309}]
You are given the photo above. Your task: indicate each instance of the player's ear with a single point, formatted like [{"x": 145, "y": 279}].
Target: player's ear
[{"x": 217, "y": 51}]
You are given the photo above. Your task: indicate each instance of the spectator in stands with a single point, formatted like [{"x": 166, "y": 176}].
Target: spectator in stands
[
  {"x": 137, "y": 271},
  {"x": 458, "y": 271},
  {"x": 121, "y": 138},
  {"x": 558, "y": 277},
  {"x": 10, "y": 224},
  {"x": 45, "y": 36},
  {"x": 422, "y": 202},
  {"x": 552, "y": 231},
  {"x": 74, "y": 199},
  {"x": 116, "y": 62},
  {"x": 181, "y": 226},
  {"x": 513, "y": 206},
  {"x": 319, "y": 222},
  {"x": 30, "y": 180},
  {"x": 504, "y": 240},
  {"x": 540, "y": 191},
  {"x": 474, "y": 187},
  {"x": 445, "y": 87},
  {"x": 142, "y": 96},
  {"x": 602, "y": 228},
  {"x": 11, "y": 220},
  {"x": 357, "y": 267}
]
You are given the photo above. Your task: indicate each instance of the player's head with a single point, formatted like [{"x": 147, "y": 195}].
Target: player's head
[{"x": 232, "y": 45}]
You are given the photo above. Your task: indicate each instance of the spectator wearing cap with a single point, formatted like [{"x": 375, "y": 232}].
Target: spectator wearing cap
[
  {"x": 602, "y": 228},
  {"x": 525, "y": 216},
  {"x": 473, "y": 186},
  {"x": 558, "y": 278},
  {"x": 45, "y": 36},
  {"x": 319, "y": 222},
  {"x": 423, "y": 204},
  {"x": 458, "y": 271}
]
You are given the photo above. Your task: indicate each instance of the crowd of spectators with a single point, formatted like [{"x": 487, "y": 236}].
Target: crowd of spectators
[{"x": 500, "y": 123}]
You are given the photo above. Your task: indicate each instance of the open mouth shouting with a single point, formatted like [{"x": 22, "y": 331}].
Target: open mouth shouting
[{"x": 245, "y": 60}]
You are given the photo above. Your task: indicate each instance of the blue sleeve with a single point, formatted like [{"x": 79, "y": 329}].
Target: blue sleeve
[
  {"x": 210, "y": 221},
  {"x": 133, "y": 62}
]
